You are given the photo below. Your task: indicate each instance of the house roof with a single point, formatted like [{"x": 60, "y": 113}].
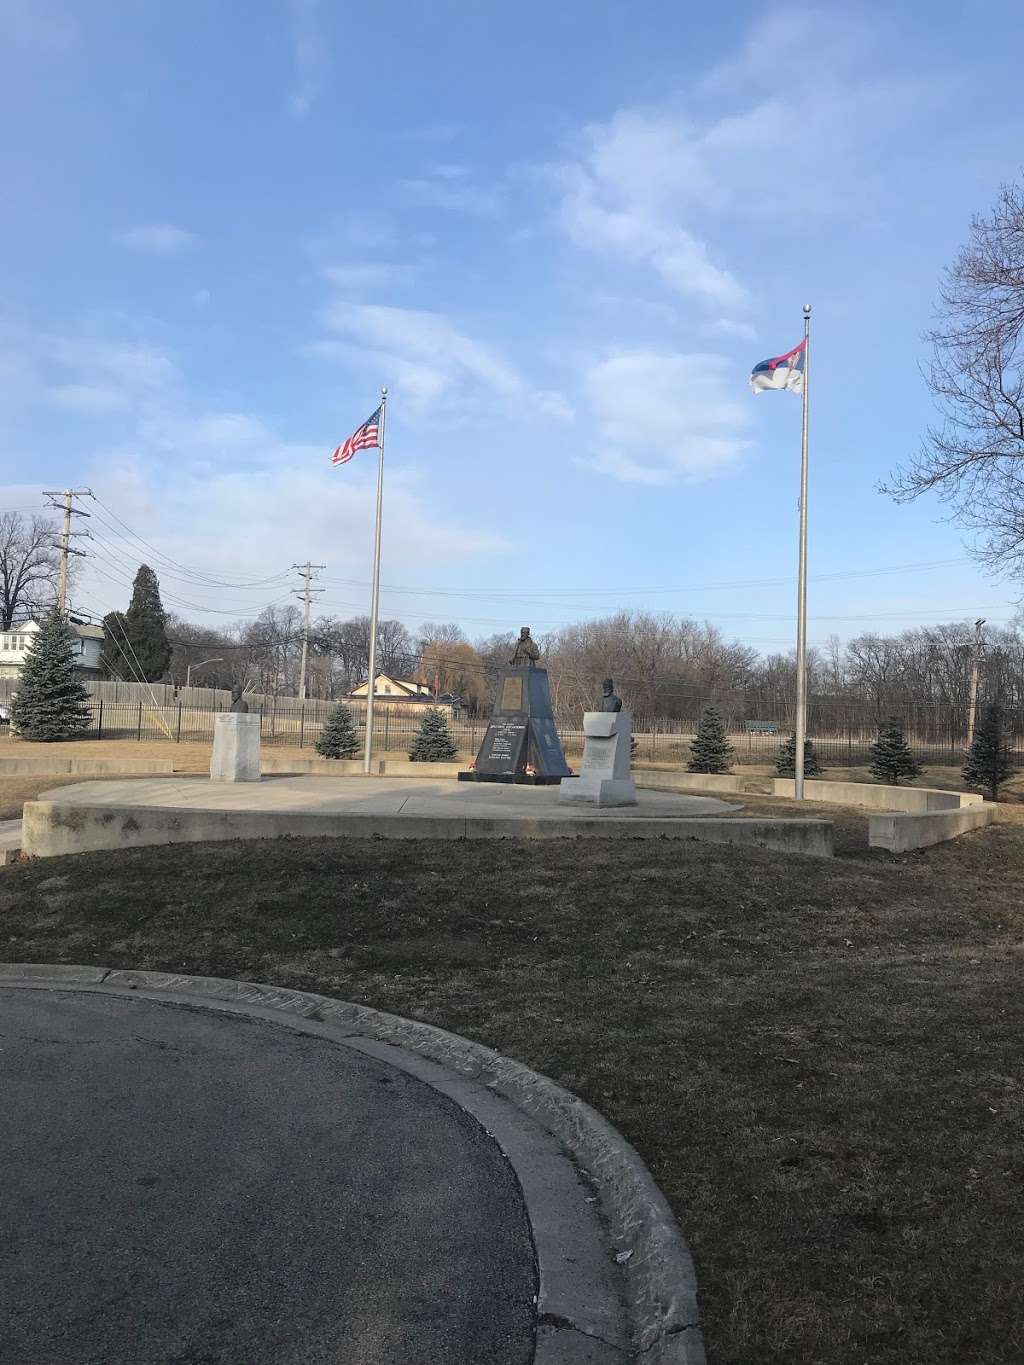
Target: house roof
[
  {"x": 82, "y": 629},
  {"x": 411, "y": 686}
]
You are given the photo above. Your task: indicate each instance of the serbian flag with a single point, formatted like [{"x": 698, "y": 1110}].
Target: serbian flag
[
  {"x": 782, "y": 371},
  {"x": 363, "y": 438}
]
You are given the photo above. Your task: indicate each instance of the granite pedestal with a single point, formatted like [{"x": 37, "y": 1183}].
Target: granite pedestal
[
  {"x": 604, "y": 778},
  {"x": 236, "y": 747},
  {"x": 521, "y": 744}
]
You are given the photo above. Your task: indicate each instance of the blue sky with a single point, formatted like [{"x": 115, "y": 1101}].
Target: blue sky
[{"x": 562, "y": 235}]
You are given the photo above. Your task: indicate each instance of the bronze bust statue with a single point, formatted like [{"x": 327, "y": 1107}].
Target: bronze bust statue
[
  {"x": 238, "y": 702},
  {"x": 526, "y": 652},
  {"x": 609, "y": 701}
]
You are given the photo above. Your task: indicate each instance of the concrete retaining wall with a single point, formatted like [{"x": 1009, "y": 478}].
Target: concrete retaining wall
[
  {"x": 122, "y": 767},
  {"x": 878, "y": 797},
  {"x": 655, "y": 780},
  {"x": 353, "y": 767},
  {"x": 51, "y": 829},
  {"x": 900, "y": 833}
]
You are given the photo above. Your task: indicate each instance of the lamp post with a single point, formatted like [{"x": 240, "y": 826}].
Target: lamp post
[{"x": 201, "y": 664}]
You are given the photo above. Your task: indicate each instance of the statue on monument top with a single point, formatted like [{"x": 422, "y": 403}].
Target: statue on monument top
[
  {"x": 609, "y": 701},
  {"x": 238, "y": 702},
  {"x": 526, "y": 652}
]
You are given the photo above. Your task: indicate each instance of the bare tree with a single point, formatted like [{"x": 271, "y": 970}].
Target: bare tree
[
  {"x": 29, "y": 563},
  {"x": 974, "y": 458}
]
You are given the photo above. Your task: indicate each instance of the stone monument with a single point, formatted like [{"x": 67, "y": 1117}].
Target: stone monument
[
  {"x": 236, "y": 743},
  {"x": 604, "y": 779},
  {"x": 521, "y": 744}
]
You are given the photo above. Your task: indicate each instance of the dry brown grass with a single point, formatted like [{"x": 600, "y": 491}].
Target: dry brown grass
[{"x": 820, "y": 1061}]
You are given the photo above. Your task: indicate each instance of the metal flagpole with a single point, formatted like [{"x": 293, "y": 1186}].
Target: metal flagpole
[
  {"x": 368, "y": 752},
  {"x": 801, "y": 614}
]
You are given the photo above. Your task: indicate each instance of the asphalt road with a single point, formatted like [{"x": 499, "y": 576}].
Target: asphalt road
[{"x": 189, "y": 1188}]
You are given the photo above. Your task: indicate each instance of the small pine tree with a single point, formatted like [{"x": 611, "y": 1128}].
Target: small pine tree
[
  {"x": 337, "y": 737},
  {"x": 434, "y": 743},
  {"x": 785, "y": 764},
  {"x": 50, "y": 702},
  {"x": 988, "y": 760},
  {"x": 710, "y": 748},
  {"x": 891, "y": 758}
]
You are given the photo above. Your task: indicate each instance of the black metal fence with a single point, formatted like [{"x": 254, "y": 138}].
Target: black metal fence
[{"x": 298, "y": 724}]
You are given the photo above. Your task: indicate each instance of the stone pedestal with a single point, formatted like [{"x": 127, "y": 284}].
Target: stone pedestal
[
  {"x": 604, "y": 779},
  {"x": 521, "y": 744},
  {"x": 236, "y": 747}
]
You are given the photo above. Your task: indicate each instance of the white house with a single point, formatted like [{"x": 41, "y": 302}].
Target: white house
[
  {"x": 387, "y": 688},
  {"x": 14, "y": 644}
]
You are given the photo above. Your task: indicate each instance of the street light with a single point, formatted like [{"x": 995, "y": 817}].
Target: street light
[{"x": 200, "y": 664}]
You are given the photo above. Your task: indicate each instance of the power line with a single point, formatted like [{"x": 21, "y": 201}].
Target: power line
[
  {"x": 195, "y": 574},
  {"x": 727, "y": 585}
]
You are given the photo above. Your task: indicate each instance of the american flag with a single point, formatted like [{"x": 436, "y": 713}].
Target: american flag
[{"x": 363, "y": 438}]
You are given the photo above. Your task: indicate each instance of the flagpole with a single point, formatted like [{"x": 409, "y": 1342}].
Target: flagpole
[
  {"x": 801, "y": 614},
  {"x": 368, "y": 752}
]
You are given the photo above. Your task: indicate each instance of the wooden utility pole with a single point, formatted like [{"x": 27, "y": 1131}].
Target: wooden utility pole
[
  {"x": 70, "y": 510},
  {"x": 306, "y": 571},
  {"x": 972, "y": 708}
]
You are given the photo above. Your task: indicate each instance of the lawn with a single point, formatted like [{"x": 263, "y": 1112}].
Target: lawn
[{"x": 820, "y": 1061}]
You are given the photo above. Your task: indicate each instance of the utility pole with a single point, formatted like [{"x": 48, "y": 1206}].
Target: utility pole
[
  {"x": 306, "y": 572},
  {"x": 972, "y": 709},
  {"x": 70, "y": 510}
]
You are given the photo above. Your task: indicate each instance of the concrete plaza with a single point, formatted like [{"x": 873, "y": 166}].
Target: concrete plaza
[{"x": 134, "y": 812}]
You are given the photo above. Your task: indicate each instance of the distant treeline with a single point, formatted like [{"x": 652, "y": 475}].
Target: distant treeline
[{"x": 666, "y": 668}]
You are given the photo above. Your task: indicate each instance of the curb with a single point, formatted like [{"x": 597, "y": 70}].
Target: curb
[{"x": 657, "y": 1280}]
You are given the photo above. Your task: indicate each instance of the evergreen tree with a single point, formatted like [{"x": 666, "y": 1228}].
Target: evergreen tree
[
  {"x": 115, "y": 647},
  {"x": 136, "y": 643},
  {"x": 785, "y": 764},
  {"x": 710, "y": 748},
  {"x": 891, "y": 758},
  {"x": 338, "y": 735},
  {"x": 988, "y": 760},
  {"x": 50, "y": 702},
  {"x": 434, "y": 743}
]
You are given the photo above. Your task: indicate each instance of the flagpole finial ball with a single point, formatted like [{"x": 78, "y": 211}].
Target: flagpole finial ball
[
  {"x": 384, "y": 391},
  {"x": 807, "y": 310}
]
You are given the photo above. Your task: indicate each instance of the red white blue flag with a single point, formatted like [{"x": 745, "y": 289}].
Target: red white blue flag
[
  {"x": 363, "y": 438},
  {"x": 781, "y": 372}
]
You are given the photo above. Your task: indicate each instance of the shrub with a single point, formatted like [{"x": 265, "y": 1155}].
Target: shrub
[{"x": 434, "y": 743}]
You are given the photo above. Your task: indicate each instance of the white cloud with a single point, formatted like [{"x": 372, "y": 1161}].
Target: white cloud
[
  {"x": 135, "y": 366},
  {"x": 360, "y": 277},
  {"x": 745, "y": 331},
  {"x": 661, "y": 417},
  {"x": 446, "y": 193},
  {"x": 248, "y": 524},
  {"x": 801, "y": 44},
  {"x": 161, "y": 238},
  {"x": 308, "y": 54},
  {"x": 429, "y": 355},
  {"x": 630, "y": 192},
  {"x": 219, "y": 430},
  {"x": 89, "y": 398},
  {"x": 762, "y": 138}
]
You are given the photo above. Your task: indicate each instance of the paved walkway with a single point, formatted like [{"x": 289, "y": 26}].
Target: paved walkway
[{"x": 192, "y": 1188}]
